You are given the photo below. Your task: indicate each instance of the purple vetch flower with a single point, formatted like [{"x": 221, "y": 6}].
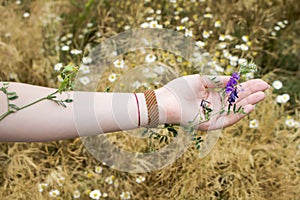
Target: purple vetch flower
[{"x": 231, "y": 88}]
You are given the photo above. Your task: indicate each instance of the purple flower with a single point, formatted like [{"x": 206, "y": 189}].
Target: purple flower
[
  {"x": 233, "y": 81},
  {"x": 231, "y": 88}
]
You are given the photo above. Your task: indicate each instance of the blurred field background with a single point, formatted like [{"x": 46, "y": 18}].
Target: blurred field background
[{"x": 260, "y": 161}]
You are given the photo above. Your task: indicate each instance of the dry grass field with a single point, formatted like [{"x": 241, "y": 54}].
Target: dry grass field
[{"x": 257, "y": 158}]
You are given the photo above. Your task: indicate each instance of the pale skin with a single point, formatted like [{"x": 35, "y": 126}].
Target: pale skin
[{"x": 178, "y": 103}]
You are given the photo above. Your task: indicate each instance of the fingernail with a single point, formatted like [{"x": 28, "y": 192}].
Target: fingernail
[{"x": 269, "y": 86}]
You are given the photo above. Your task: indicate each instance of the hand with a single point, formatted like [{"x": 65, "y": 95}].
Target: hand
[{"x": 181, "y": 99}]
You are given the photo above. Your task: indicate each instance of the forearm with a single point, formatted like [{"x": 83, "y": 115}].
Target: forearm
[{"x": 46, "y": 121}]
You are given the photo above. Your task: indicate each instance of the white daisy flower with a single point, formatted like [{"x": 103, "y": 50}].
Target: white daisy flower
[
  {"x": 273, "y": 33},
  {"x": 90, "y": 25},
  {"x": 245, "y": 38},
  {"x": 76, "y": 194},
  {"x": 65, "y": 48},
  {"x": 140, "y": 179},
  {"x": 285, "y": 21},
  {"x": 69, "y": 35},
  {"x": 119, "y": 63},
  {"x": 222, "y": 45},
  {"x": 200, "y": 44},
  {"x": 285, "y": 98},
  {"x": 26, "y": 14},
  {"x": 205, "y": 34},
  {"x": 277, "y": 84},
  {"x": 296, "y": 124},
  {"x": 145, "y": 25},
  {"x": 244, "y": 47},
  {"x": 281, "y": 24},
  {"x": 150, "y": 18},
  {"x": 242, "y": 61},
  {"x": 290, "y": 122},
  {"x": 127, "y": 27},
  {"x": 154, "y": 24},
  {"x": 87, "y": 60},
  {"x": 54, "y": 193},
  {"x": 98, "y": 169},
  {"x": 253, "y": 123},
  {"x": 95, "y": 194},
  {"x": 188, "y": 33},
  {"x": 185, "y": 19},
  {"x": 180, "y": 28},
  {"x": 84, "y": 80},
  {"x": 222, "y": 37},
  {"x": 18, "y": 2},
  {"x": 61, "y": 181},
  {"x": 112, "y": 77},
  {"x": 208, "y": 15},
  {"x": 76, "y": 51},
  {"x": 58, "y": 66},
  {"x": 150, "y": 58},
  {"x": 226, "y": 54},
  {"x": 276, "y": 28},
  {"x": 218, "y": 24},
  {"x": 42, "y": 186},
  {"x": 125, "y": 195},
  {"x": 238, "y": 46},
  {"x": 228, "y": 37},
  {"x": 104, "y": 195},
  {"x": 110, "y": 179},
  {"x": 59, "y": 78}
]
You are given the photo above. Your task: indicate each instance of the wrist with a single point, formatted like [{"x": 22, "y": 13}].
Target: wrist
[{"x": 168, "y": 106}]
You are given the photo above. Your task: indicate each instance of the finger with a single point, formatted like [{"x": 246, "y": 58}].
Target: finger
[
  {"x": 251, "y": 87},
  {"x": 252, "y": 99},
  {"x": 226, "y": 120},
  {"x": 214, "y": 81}
]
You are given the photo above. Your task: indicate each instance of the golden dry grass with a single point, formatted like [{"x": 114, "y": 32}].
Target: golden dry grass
[{"x": 262, "y": 163}]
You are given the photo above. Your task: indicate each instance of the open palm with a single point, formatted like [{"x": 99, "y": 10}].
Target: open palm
[{"x": 184, "y": 95}]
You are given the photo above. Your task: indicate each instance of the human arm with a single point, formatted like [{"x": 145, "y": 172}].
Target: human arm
[{"x": 178, "y": 103}]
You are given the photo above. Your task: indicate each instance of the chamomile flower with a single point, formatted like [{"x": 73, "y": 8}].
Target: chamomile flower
[
  {"x": 208, "y": 15},
  {"x": 76, "y": 51},
  {"x": 180, "y": 28},
  {"x": 205, "y": 34},
  {"x": 277, "y": 28},
  {"x": 125, "y": 195},
  {"x": 110, "y": 179},
  {"x": 253, "y": 123},
  {"x": 119, "y": 63},
  {"x": 277, "y": 84},
  {"x": 217, "y": 24},
  {"x": 290, "y": 122},
  {"x": 65, "y": 48},
  {"x": 150, "y": 58},
  {"x": 61, "y": 180},
  {"x": 244, "y": 47},
  {"x": 95, "y": 194},
  {"x": 112, "y": 77},
  {"x": 90, "y": 25},
  {"x": 26, "y": 14},
  {"x": 59, "y": 78},
  {"x": 76, "y": 194},
  {"x": 222, "y": 37},
  {"x": 200, "y": 44},
  {"x": 283, "y": 98},
  {"x": 42, "y": 186},
  {"x": 104, "y": 195},
  {"x": 98, "y": 169},
  {"x": 58, "y": 66},
  {"x": 242, "y": 61},
  {"x": 18, "y": 2},
  {"x": 154, "y": 24},
  {"x": 245, "y": 38},
  {"x": 136, "y": 84},
  {"x": 84, "y": 80},
  {"x": 188, "y": 33},
  {"x": 54, "y": 193},
  {"x": 185, "y": 19},
  {"x": 145, "y": 25},
  {"x": 87, "y": 60}
]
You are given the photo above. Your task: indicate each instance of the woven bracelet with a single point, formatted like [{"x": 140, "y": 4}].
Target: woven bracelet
[{"x": 152, "y": 107}]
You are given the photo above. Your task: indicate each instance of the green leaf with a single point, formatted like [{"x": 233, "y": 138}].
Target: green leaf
[
  {"x": 13, "y": 97},
  {"x": 13, "y": 106},
  {"x": 144, "y": 132},
  {"x": 234, "y": 108},
  {"x": 69, "y": 68},
  {"x": 68, "y": 100},
  {"x": 107, "y": 89},
  {"x": 222, "y": 112},
  {"x": 11, "y": 93}
]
